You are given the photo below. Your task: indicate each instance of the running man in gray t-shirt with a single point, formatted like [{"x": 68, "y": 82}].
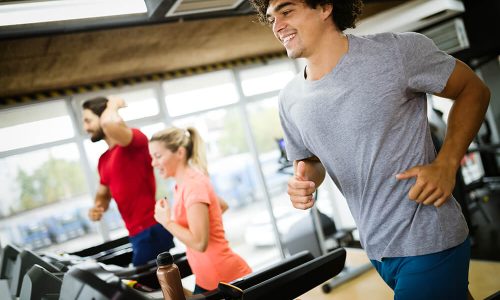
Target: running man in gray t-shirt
[{"x": 358, "y": 112}]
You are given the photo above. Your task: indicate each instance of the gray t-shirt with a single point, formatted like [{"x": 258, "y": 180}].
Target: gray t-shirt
[{"x": 366, "y": 121}]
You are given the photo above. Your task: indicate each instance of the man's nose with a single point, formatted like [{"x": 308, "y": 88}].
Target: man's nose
[{"x": 278, "y": 25}]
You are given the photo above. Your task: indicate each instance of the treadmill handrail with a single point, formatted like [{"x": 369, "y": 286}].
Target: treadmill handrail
[
  {"x": 299, "y": 280},
  {"x": 109, "y": 245},
  {"x": 275, "y": 269},
  {"x": 259, "y": 276}
]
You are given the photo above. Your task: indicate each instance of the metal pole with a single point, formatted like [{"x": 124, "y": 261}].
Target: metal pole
[{"x": 255, "y": 154}]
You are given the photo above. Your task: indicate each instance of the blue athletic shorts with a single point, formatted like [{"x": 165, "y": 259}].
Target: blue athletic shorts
[
  {"x": 150, "y": 242},
  {"x": 441, "y": 275}
]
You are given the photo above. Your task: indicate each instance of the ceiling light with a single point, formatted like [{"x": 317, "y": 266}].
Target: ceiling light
[{"x": 12, "y": 13}]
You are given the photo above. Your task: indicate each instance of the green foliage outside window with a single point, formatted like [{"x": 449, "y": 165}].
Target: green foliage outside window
[
  {"x": 265, "y": 126},
  {"x": 54, "y": 180}
]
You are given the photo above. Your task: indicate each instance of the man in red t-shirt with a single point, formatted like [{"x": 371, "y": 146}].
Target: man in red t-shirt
[{"x": 127, "y": 176}]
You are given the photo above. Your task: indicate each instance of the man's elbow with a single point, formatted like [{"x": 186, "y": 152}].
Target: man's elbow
[
  {"x": 480, "y": 91},
  {"x": 485, "y": 95},
  {"x": 476, "y": 95}
]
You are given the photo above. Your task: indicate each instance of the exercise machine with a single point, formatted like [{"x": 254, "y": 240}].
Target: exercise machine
[
  {"x": 7, "y": 262},
  {"x": 312, "y": 233},
  {"x": 30, "y": 276},
  {"x": 285, "y": 280},
  {"x": 116, "y": 252},
  {"x": 294, "y": 282}
]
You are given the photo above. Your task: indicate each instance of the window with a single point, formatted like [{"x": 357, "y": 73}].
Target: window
[
  {"x": 94, "y": 151},
  {"x": 39, "y": 189},
  {"x": 272, "y": 77},
  {"x": 264, "y": 119},
  {"x": 40, "y": 177},
  {"x": 149, "y": 130},
  {"x": 140, "y": 103},
  {"x": 200, "y": 92},
  {"x": 33, "y": 125}
]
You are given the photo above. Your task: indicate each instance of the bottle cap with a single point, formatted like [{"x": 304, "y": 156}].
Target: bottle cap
[{"x": 164, "y": 258}]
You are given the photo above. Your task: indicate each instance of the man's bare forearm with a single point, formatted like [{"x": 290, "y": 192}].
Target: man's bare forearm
[
  {"x": 102, "y": 201},
  {"x": 466, "y": 116}
]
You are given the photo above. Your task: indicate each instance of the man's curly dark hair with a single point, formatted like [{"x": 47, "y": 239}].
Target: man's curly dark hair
[{"x": 345, "y": 12}]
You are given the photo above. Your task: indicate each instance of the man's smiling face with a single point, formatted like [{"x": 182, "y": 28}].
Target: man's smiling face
[{"x": 295, "y": 25}]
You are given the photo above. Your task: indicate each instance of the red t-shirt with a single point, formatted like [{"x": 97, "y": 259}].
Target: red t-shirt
[
  {"x": 128, "y": 173},
  {"x": 218, "y": 262}
]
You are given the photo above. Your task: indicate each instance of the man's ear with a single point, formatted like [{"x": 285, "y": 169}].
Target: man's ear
[{"x": 326, "y": 11}]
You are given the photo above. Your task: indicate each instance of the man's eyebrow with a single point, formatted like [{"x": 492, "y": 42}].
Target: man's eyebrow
[{"x": 279, "y": 7}]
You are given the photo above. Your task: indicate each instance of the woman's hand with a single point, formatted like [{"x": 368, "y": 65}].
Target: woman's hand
[{"x": 162, "y": 212}]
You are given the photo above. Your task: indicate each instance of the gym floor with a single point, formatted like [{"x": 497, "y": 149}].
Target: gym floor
[
  {"x": 484, "y": 269},
  {"x": 483, "y": 278}
]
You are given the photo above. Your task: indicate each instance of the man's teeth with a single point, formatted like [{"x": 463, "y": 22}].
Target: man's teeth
[{"x": 288, "y": 37}]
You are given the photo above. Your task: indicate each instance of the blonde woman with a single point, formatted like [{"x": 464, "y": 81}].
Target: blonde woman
[{"x": 195, "y": 218}]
